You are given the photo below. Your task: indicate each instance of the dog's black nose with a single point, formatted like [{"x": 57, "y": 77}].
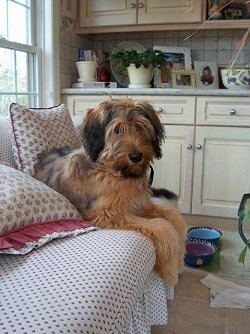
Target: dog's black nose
[{"x": 136, "y": 156}]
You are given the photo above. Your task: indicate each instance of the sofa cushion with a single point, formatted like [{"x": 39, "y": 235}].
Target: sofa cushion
[
  {"x": 37, "y": 130},
  {"x": 31, "y": 213}
]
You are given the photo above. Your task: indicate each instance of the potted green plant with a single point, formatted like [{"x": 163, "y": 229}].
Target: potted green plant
[
  {"x": 244, "y": 217},
  {"x": 139, "y": 65}
]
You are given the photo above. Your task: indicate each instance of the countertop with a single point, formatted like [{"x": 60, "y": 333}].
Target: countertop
[{"x": 156, "y": 91}]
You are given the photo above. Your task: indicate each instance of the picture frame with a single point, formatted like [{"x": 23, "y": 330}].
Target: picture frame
[
  {"x": 206, "y": 74},
  {"x": 176, "y": 58},
  {"x": 183, "y": 79}
]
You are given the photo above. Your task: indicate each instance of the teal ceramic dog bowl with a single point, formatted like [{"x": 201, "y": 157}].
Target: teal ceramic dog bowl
[{"x": 205, "y": 233}]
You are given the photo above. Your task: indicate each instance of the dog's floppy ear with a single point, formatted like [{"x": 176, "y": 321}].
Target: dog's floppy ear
[
  {"x": 159, "y": 132},
  {"x": 94, "y": 129}
]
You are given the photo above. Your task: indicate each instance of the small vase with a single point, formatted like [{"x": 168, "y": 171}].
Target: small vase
[
  {"x": 140, "y": 77},
  {"x": 86, "y": 70}
]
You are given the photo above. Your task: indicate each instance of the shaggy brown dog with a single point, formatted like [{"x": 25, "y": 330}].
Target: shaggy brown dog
[{"x": 109, "y": 183}]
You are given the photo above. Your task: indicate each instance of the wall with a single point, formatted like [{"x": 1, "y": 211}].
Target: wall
[
  {"x": 69, "y": 45},
  {"x": 218, "y": 46}
]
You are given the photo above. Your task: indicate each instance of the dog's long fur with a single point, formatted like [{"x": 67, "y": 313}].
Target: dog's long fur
[{"x": 107, "y": 179}]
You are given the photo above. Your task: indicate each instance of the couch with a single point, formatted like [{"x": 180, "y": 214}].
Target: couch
[{"x": 59, "y": 274}]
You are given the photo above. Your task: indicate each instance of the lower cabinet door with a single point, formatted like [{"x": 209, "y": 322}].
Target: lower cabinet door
[
  {"x": 174, "y": 170},
  {"x": 221, "y": 170}
]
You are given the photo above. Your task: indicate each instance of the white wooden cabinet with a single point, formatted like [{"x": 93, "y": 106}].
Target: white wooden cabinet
[
  {"x": 221, "y": 170},
  {"x": 206, "y": 163},
  {"x": 206, "y": 155},
  {"x": 110, "y": 16},
  {"x": 94, "y": 13},
  {"x": 222, "y": 155}
]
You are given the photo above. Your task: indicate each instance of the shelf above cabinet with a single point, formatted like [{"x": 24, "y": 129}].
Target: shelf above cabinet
[{"x": 205, "y": 25}]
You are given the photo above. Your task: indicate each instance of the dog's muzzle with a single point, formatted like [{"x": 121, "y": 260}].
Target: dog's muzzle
[{"x": 135, "y": 156}]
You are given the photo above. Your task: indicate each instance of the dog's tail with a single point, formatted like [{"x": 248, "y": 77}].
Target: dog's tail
[{"x": 162, "y": 192}]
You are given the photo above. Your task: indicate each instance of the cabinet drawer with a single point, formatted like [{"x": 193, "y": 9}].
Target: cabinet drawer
[
  {"x": 77, "y": 104},
  {"x": 172, "y": 109},
  {"x": 233, "y": 111}
]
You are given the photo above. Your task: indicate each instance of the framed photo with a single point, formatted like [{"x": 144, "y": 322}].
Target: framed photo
[
  {"x": 176, "y": 58},
  {"x": 206, "y": 74},
  {"x": 183, "y": 78},
  {"x": 69, "y": 9}
]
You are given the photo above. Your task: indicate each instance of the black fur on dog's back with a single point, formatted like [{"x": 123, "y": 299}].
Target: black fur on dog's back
[{"x": 162, "y": 192}]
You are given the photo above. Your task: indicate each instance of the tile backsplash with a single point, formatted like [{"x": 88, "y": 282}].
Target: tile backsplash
[{"x": 209, "y": 45}]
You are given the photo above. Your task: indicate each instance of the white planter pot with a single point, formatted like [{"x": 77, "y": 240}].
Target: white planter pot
[
  {"x": 86, "y": 70},
  {"x": 140, "y": 77}
]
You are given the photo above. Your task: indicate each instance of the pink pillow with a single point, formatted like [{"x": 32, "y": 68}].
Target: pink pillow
[
  {"x": 32, "y": 214},
  {"x": 37, "y": 130}
]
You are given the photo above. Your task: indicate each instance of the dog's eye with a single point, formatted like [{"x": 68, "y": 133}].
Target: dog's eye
[
  {"x": 139, "y": 127},
  {"x": 118, "y": 130}
]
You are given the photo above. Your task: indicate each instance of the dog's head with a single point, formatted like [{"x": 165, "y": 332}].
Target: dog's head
[{"x": 124, "y": 134}]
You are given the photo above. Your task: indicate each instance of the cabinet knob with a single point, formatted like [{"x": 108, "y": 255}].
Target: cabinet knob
[
  {"x": 189, "y": 147},
  {"x": 132, "y": 5},
  {"x": 232, "y": 112},
  {"x": 198, "y": 146},
  {"x": 159, "y": 110},
  {"x": 140, "y": 5}
]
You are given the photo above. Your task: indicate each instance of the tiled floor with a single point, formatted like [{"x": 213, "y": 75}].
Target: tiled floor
[{"x": 190, "y": 313}]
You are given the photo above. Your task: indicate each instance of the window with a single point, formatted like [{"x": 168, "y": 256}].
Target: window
[{"x": 26, "y": 56}]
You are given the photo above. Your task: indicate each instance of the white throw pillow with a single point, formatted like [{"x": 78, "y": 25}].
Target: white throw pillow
[{"x": 40, "y": 130}]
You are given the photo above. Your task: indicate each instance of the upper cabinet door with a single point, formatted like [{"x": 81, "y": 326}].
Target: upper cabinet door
[
  {"x": 95, "y": 13},
  {"x": 170, "y": 11}
]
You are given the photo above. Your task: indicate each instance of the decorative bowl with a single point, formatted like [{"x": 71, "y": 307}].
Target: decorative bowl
[
  {"x": 236, "y": 78},
  {"x": 204, "y": 233},
  {"x": 199, "y": 253}
]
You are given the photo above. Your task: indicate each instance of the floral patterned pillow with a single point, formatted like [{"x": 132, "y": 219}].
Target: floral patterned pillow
[
  {"x": 6, "y": 154},
  {"x": 37, "y": 130},
  {"x": 31, "y": 213}
]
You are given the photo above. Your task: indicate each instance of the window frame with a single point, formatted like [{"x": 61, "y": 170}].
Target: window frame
[
  {"x": 45, "y": 40},
  {"x": 48, "y": 39},
  {"x": 29, "y": 49}
]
